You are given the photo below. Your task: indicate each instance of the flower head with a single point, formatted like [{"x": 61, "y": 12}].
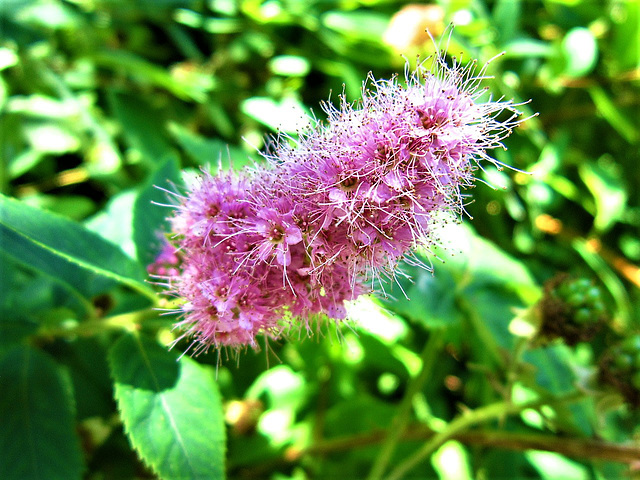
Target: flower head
[{"x": 346, "y": 201}]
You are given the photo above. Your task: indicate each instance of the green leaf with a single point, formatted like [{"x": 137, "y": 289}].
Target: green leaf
[
  {"x": 148, "y": 72},
  {"x": 363, "y": 25},
  {"x": 506, "y": 17},
  {"x": 552, "y": 466},
  {"x": 37, "y": 438},
  {"x": 527, "y": 48},
  {"x": 65, "y": 251},
  {"x": 171, "y": 409},
  {"x": 290, "y": 65},
  {"x": 115, "y": 221},
  {"x": 580, "y": 50},
  {"x": 86, "y": 361},
  {"x": 150, "y": 220},
  {"x": 288, "y": 115},
  {"x": 605, "y": 182},
  {"x": 142, "y": 125},
  {"x": 75, "y": 207},
  {"x": 553, "y": 372},
  {"x": 31, "y": 296},
  {"x": 425, "y": 297},
  {"x": 210, "y": 151},
  {"x": 612, "y": 114},
  {"x": 478, "y": 263},
  {"x": 8, "y": 58},
  {"x": 49, "y": 137},
  {"x": 42, "y": 106}
]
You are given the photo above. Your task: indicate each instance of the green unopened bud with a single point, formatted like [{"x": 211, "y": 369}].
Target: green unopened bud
[
  {"x": 620, "y": 367},
  {"x": 572, "y": 309}
]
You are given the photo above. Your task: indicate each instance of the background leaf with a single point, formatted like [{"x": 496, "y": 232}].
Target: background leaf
[
  {"x": 37, "y": 438},
  {"x": 150, "y": 220}
]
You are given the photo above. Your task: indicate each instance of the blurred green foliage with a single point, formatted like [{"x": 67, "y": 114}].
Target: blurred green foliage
[{"x": 102, "y": 101}]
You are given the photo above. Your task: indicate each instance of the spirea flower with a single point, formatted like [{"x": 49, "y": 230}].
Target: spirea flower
[{"x": 341, "y": 205}]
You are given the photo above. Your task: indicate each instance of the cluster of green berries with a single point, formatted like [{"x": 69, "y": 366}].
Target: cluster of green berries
[
  {"x": 572, "y": 309},
  {"x": 626, "y": 361},
  {"x": 583, "y": 299},
  {"x": 620, "y": 368}
]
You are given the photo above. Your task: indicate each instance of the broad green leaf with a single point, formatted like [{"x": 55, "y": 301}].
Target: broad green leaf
[
  {"x": 33, "y": 296},
  {"x": 14, "y": 328},
  {"x": 478, "y": 263},
  {"x": 493, "y": 309},
  {"x": 171, "y": 409},
  {"x": 380, "y": 357},
  {"x": 65, "y": 251},
  {"x": 75, "y": 207},
  {"x": 37, "y": 438},
  {"x": 150, "y": 219}
]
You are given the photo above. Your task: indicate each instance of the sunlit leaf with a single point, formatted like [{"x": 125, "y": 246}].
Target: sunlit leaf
[
  {"x": 64, "y": 250},
  {"x": 581, "y": 52},
  {"x": 605, "y": 182},
  {"x": 51, "y": 137},
  {"x": 358, "y": 24},
  {"x": 288, "y": 115},
  {"x": 552, "y": 466},
  {"x": 42, "y": 106},
  {"x": 290, "y": 65}
]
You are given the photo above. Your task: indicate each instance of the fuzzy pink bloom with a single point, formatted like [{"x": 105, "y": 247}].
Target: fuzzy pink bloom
[{"x": 342, "y": 204}]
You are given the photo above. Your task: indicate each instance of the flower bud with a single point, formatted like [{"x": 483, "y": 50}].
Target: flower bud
[{"x": 572, "y": 309}]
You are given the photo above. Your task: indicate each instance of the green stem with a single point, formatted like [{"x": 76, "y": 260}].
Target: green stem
[
  {"x": 468, "y": 419},
  {"x": 402, "y": 417},
  {"x": 129, "y": 321},
  {"x": 588, "y": 448}
]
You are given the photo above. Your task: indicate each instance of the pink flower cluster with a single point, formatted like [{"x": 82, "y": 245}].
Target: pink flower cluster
[{"x": 337, "y": 207}]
